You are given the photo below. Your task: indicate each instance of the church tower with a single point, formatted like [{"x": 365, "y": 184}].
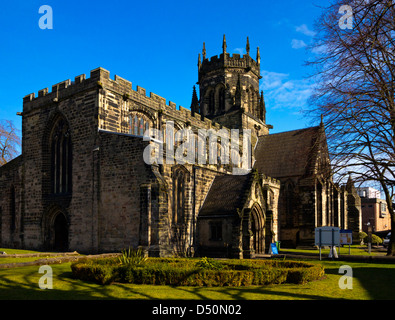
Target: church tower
[{"x": 229, "y": 90}]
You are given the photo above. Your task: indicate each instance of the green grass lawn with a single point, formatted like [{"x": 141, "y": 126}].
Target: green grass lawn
[
  {"x": 353, "y": 250},
  {"x": 16, "y": 251},
  {"x": 6, "y": 259},
  {"x": 370, "y": 281}
]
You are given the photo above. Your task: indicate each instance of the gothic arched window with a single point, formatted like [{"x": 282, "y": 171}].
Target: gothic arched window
[
  {"x": 253, "y": 102},
  {"x": 131, "y": 125},
  {"x": 211, "y": 104},
  {"x": 209, "y": 101},
  {"x": 289, "y": 203},
  {"x": 180, "y": 177},
  {"x": 141, "y": 127},
  {"x": 220, "y": 98},
  {"x": 139, "y": 123},
  {"x": 61, "y": 158},
  {"x": 146, "y": 127},
  {"x": 136, "y": 125},
  {"x": 319, "y": 203},
  {"x": 12, "y": 209}
]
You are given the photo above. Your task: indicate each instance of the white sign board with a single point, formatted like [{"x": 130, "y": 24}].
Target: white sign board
[
  {"x": 346, "y": 237},
  {"x": 327, "y": 236}
]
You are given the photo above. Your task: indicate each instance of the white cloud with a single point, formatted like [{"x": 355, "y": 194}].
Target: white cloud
[
  {"x": 298, "y": 44},
  {"x": 281, "y": 92},
  {"x": 304, "y": 29},
  {"x": 319, "y": 49},
  {"x": 241, "y": 51},
  {"x": 272, "y": 80}
]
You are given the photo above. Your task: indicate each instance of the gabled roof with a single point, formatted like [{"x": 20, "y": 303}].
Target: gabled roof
[
  {"x": 10, "y": 165},
  {"x": 291, "y": 153},
  {"x": 226, "y": 195}
]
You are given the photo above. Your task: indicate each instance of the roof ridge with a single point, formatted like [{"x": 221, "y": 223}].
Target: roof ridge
[{"x": 272, "y": 134}]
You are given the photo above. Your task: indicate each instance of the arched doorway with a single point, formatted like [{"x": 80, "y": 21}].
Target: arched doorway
[
  {"x": 258, "y": 229},
  {"x": 61, "y": 233},
  {"x": 56, "y": 230}
]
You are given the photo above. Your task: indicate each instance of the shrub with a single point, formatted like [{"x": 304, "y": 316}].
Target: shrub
[
  {"x": 204, "y": 272},
  {"x": 207, "y": 263},
  {"x": 362, "y": 235},
  {"x": 376, "y": 239},
  {"x": 132, "y": 257},
  {"x": 304, "y": 275},
  {"x": 97, "y": 272}
]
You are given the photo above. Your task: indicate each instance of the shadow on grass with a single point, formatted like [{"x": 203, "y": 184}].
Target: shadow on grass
[
  {"x": 377, "y": 281},
  {"x": 22, "y": 283},
  {"x": 258, "y": 292}
]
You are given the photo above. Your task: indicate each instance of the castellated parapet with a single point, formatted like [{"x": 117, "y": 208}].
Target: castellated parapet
[
  {"x": 230, "y": 61},
  {"x": 82, "y": 182},
  {"x": 117, "y": 100}
]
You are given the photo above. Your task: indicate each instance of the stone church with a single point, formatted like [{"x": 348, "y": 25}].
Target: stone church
[{"x": 81, "y": 182}]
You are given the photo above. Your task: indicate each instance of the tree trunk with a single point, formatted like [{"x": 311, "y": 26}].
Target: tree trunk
[
  {"x": 391, "y": 245},
  {"x": 388, "y": 198}
]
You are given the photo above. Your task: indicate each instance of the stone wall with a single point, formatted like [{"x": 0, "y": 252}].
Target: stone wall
[
  {"x": 76, "y": 103},
  {"x": 122, "y": 177},
  {"x": 116, "y": 200},
  {"x": 11, "y": 203}
]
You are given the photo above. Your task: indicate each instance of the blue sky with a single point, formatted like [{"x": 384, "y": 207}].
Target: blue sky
[{"x": 155, "y": 44}]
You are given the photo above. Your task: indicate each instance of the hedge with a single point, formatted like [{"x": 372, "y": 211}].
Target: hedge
[{"x": 188, "y": 272}]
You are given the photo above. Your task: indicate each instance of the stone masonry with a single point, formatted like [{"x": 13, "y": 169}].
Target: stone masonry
[{"x": 82, "y": 183}]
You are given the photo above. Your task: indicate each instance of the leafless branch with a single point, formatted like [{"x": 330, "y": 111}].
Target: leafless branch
[{"x": 9, "y": 141}]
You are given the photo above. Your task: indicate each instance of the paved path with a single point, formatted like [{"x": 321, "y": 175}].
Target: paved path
[
  {"x": 56, "y": 258},
  {"x": 341, "y": 257}
]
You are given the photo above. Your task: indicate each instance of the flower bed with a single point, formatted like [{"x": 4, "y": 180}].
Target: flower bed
[{"x": 197, "y": 272}]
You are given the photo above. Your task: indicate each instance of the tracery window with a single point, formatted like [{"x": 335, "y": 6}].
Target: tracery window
[
  {"x": 135, "y": 125},
  {"x": 12, "y": 209},
  {"x": 209, "y": 101},
  {"x": 141, "y": 131},
  {"x": 220, "y": 98},
  {"x": 139, "y": 124},
  {"x": 180, "y": 177},
  {"x": 253, "y": 102},
  {"x": 289, "y": 203},
  {"x": 146, "y": 126},
  {"x": 61, "y": 158}
]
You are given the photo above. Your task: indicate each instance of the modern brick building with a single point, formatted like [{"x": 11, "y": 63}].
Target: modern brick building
[{"x": 374, "y": 211}]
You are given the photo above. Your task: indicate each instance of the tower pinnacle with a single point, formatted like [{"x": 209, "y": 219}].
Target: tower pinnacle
[
  {"x": 262, "y": 107},
  {"x": 248, "y": 46},
  {"x": 224, "y": 45},
  {"x": 195, "y": 102},
  {"x": 258, "y": 56}
]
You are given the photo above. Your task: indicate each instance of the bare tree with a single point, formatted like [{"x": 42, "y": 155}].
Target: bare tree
[
  {"x": 9, "y": 141},
  {"x": 354, "y": 70}
]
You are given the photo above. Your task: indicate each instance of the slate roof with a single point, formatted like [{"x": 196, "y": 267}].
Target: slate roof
[
  {"x": 226, "y": 195},
  {"x": 286, "y": 154}
]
